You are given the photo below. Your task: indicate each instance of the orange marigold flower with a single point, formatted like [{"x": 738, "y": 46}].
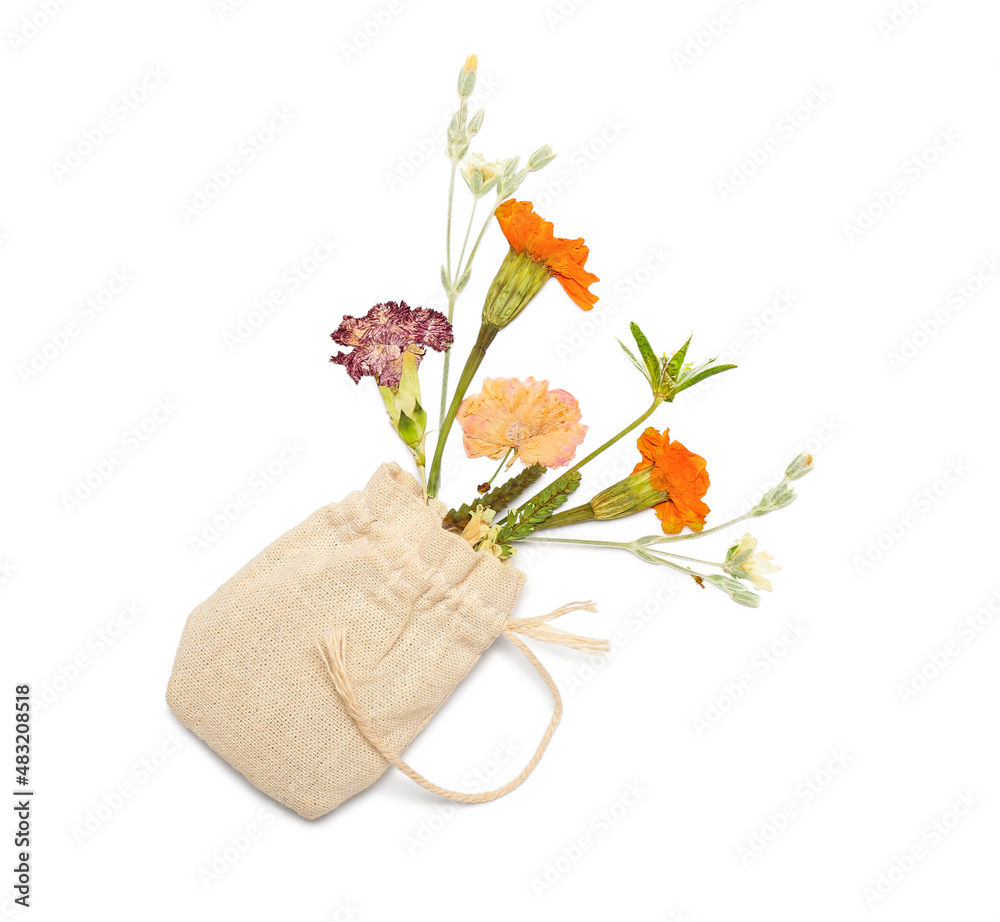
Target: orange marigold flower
[
  {"x": 531, "y": 235},
  {"x": 541, "y": 426},
  {"x": 679, "y": 472}
]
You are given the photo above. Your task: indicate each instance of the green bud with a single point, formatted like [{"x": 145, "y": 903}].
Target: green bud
[
  {"x": 518, "y": 280},
  {"x": 407, "y": 416},
  {"x": 776, "y": 498},
  {"x": 408, "y": 431},
  {"x": 801, "y": 466},
  {"x": 735, "y": 590},
  {"x": 633, "y": 494},
  {"x": 467, "y": 77},
  {"x": 541, "y": 157}
]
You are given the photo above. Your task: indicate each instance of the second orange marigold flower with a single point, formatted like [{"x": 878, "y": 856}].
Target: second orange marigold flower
[{"x": 679, "y": 472}]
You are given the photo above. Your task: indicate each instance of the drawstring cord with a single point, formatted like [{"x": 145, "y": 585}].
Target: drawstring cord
[{"x": 333, "y": 649}]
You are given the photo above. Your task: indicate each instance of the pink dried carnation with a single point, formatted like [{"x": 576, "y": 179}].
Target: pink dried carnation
[
  {"x": 382, "y": 336},
  {"x": 540, "y": 425}
]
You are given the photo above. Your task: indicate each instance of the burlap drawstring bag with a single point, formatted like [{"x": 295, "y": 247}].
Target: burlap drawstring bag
[{"x": 320, "y": 661}]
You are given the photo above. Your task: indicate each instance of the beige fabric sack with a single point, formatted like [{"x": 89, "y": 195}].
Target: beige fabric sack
[{"x": 321, "y": 660}]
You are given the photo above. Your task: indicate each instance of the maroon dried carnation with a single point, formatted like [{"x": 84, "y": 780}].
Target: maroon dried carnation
[{"x": 382, "y": 336}]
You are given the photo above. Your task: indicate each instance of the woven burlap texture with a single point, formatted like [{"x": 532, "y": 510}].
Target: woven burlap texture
[{"x": 418, "y": 604}]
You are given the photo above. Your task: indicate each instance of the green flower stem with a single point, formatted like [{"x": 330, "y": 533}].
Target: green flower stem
[
  {"x": 451, "y": 199},
  {"x": 502, "y": 463},
  {"x": 452, "y": 295},
  {"x": 447, "y": 363},
  {"x": 707, "y": 531},
  {"x": 482, "y": 231},
  {"x": 687, "y": 571},
  {"x": 625, "y": 545},
  {"x": 468, "y": 230},
  {"x": 707, "y": 563},
  {"x": 632, "y": 425},
  {"x": 574, "y": 516},
  {"x": 487, "y": 333},
  {"x": 422, "y": 472}
]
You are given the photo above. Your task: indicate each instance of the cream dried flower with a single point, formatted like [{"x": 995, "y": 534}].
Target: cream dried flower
[
  {"x": 745, "y": 562},
  {"x": 481, "y": 174}
]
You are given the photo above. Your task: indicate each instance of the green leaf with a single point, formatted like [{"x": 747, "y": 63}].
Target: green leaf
[
  {"x": 700, "y": 376},
  {"x": 420, "y": 417},
  {"x": 498, "y": 498},
  {"x": 634, "y": 360},
  {"x": 736, "y": 591},
  {"x": 408, "y": 431},
  {"x": 391, "y": 405},
  {"x": 524, "y": 520},
  {"x": 647, "y": 353},
  {"x": 677, "y": 361},
  {"x": 445, "y": 281}
]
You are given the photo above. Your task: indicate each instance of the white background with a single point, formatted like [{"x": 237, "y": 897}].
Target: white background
[{"x": 885, "y": 556}]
